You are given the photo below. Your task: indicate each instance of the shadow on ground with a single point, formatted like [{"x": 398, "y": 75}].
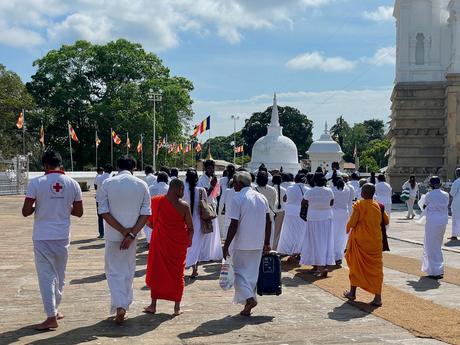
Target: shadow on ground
[
  {"x": 347, "y": 311},
  {"x": 225, "y": 325},
  {"x": 106, "y": 328},
  {"x": 424, "y": 284}
]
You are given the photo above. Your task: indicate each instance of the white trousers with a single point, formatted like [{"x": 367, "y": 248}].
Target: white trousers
[
  {"x": 148, "y": 233},
  {"x": 50, "y": 262},
  {"x": 120, "y": 267},
  {"x": 246, "y": 266},
  {"x": 455, "y": 223},
  {"x": 410, "y": 207},
  {"x": 433, "y": 260}
]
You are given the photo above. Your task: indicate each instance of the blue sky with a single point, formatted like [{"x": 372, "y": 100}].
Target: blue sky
[{"x": 326, "y": 57}]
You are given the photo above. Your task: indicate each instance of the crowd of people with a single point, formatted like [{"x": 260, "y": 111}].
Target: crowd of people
[{"x": 316, "y": 219}]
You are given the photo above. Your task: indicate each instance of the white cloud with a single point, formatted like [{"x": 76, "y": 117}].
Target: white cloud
[
  {"x": 354, "y": 105},
  {"x": 317, "y": 60},
  {"x": 381, "y": 14},
  {"x": 155, "y": 24},
  {"x": 19, "y": 37},
  {"x": 383, "y": 56}
]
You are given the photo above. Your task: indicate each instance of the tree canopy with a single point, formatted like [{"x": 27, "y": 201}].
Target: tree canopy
[{"x": 99, "y": 87}]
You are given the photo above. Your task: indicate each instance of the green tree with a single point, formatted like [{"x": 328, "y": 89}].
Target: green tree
[
  {"x": 377, "y": 150},
  {"x": 295, "y": 125},
  {"x": 375, "y": 129},
  {"x": 13, "y": 98},
  {"x": 368, "y": 164},
  {"x": 340, "y": 130},
  {"x": 107, "y": 86}
]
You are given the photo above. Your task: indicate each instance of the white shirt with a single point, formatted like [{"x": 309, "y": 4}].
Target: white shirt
[
  {"x": 205, "y": 182},
  {"x": 343, "y": 198},
  {"x": 100, "y": 180},
  {"x": 357, "y": 189},
  {"x": 437, "y": 203},
  {"x": 286, "y": 185},
  {"x": 319, "y": 203},
  {"x": 383, "y": 193},
  {"x": 412, "y": 191},
  {"x": 279, "y": 197},
  {"x": 295, "y": 194},
  {"x": 54, "y": 194},
  {"x": 150, "y": 179},
  {"x": 270, "y": 194},
  {"x": 125, "y": 197},
  {"x": 160, "y": 188},
  {"x": 455, "y": 192},
  {"x": 250, "y": 209}
]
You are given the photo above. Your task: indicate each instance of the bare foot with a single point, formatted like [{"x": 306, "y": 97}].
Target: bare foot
[
  {"x": 349, "y": 296},
  {"x": 120, "y": 316},
  {"x": 177, "y": 312},
  {"x": 49, "y": 324},
  {"x": 59, "y": 316},
  {"x": 377, "y": 301},
  {"x": 248, "y": 307},
  {"x": 151, "y": 309}
]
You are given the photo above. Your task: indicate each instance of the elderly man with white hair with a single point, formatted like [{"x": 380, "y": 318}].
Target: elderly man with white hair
[{"x": 248, "y": 236}]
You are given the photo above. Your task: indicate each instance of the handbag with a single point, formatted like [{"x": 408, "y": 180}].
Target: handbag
[
  {"x": 207, "y": 214},
  {"x": 405, "y": 195}
]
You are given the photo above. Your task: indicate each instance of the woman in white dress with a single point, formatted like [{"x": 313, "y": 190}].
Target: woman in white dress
[
  {"x": 412, "y": 186},
  {"x": 293, "y": 228},
  {"x": 343, "y": 203},
  {"x": 229, "y": 194},
  {"x": 318, "y": 242},
  {"x": 192, "y": 197},
  {"x": 383, "y": 193},
  {"x": 278, "y": 208}
]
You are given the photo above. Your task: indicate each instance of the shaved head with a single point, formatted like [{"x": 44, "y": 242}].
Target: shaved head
[
  {"x": 367, "y": 191},
  {"x": 176, "y": 188}
]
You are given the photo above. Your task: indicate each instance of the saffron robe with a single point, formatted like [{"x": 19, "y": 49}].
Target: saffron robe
[
  {"x": 364, "y": 249},
  {"x": 167, "y": 252}
]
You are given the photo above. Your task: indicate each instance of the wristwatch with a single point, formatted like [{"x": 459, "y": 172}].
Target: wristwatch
[{"x": 133, "y": 236}]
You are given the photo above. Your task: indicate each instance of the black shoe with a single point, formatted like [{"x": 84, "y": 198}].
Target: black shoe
[
  {"x": 100, "y": 237},
  {"x": 338, "y": 262},
  {"x": 453, "y": 238},
  {"x": 438, "y": 277}
]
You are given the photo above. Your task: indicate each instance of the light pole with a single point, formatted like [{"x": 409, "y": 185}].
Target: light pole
[
  {"x": 154, "y": 97},
  {"x": 235, "y": 118}
]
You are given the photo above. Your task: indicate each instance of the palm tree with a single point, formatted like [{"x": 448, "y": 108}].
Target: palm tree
[{"x": 339, "y": 130}]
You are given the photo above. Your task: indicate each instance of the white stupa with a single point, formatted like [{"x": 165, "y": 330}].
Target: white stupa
[
  {"x": 275, "y": 150},
  {"x": 324, "y": 151}
]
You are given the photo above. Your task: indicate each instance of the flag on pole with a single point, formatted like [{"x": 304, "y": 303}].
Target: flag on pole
[
  {"x": 239, "y": 149},
  {"x": 128, "y": 142},
  {"x": 205, "y": 125},
  {"x": 98, "y": 141},
  {"x": 139, "y": 146},
  {"x": 355, "y": 152},
  {"x": 171, "y": 148},
  {"x": 72, "y": 133},
  {"x": 198, "y": 147},
  {"x": 196, "y": 131},
  {"x": 42, "y": 136},
  {"x": 20, "y": 122},
  {"x": 116, "y": 139}
]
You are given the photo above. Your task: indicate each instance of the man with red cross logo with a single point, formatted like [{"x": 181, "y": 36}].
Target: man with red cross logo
[{"x": 53, "y": 197}]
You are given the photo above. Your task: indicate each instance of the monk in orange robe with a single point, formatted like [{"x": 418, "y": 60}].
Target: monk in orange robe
[
  {"x": 365, "y": 249},
  {"x": 172, "y": 220}
]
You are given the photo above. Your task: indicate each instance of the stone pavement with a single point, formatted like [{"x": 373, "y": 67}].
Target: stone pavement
[{"x": 303, "y": 314}]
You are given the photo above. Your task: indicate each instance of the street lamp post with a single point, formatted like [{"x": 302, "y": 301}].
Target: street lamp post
[
  {"x": 154, "y": 97},
  {"x": 235, "y": 118}
]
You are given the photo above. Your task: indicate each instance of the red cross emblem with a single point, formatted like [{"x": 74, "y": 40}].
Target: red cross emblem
[{"x": 57, "y": 187}]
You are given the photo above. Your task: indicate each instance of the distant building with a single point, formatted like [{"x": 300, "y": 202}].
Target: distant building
[{"x": 324, "y": 151}]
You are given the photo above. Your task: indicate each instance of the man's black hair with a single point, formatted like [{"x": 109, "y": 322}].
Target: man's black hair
[
  {"x": 108, "y": 168},
  {"x": 126, "y": 162},
  {"x": 209, "y": 163},
  {"x": 148, "y": 169},
  {"x": 99, "y": 169},
  {"x": 262, "y": 178},
  {"x": 174, "y": 172},
  {"x": 162, "y": 177},
  {"x": 165, "y": 170},
  {"x": 52, "y": 158}
]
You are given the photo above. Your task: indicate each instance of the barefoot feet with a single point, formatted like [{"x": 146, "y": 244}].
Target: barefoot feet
[
  {"x": 250, "y": 304},
  {"x": 120, "y": 316},
  {"x": 349, "y": 295},
  {"x": 47, "y": 325},
  {"x": 151, "y": 309}
]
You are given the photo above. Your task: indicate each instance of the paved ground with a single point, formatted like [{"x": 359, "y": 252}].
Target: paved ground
[{"x": 303, "y": 314}]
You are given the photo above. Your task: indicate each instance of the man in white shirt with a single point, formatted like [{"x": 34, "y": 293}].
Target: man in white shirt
[
  {"x": 455, "y": 206},
  {"x": 335, "y": 166},
  {"x": 355, "y": 184},
  {"x": 159, "y": 188},
  {"x": 124, "y": 203},
  {"x": 383, "y": 193},
  {"x": 270, "y": 194},
  {"x": 97, "y": 186},
  {"x": 150, "y": 178},
  {"x": 56, "y": 197},
  {"x": 248, "y": 236}
]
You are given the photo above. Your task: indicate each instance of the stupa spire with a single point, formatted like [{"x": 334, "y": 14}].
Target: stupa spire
[
  {"x": 275, "y": 121},
  {"x": 325, "y": 129}
]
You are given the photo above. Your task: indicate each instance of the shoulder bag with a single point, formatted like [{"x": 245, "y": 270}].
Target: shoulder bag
[{"x": 207, "y": 214}]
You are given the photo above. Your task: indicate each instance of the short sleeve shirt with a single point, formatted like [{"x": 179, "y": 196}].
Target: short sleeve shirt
[
  {"x": 54, "y": 194},
  {"x": 437, "y": 203},
  {"x": 249, "y": 208},
  {"x": 319, "y": 203}
]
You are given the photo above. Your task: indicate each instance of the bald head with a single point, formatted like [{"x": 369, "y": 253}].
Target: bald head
[
  {"x": 176, "y": 188},
  {"x": 367, "y": 191}
]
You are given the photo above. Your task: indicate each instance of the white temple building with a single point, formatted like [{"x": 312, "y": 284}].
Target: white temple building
[
  {"x": 275, "y": 150},
  {"x": 324, "y": 151}
]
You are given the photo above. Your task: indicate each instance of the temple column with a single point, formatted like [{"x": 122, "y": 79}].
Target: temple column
[{"x": 452, "y": 124}]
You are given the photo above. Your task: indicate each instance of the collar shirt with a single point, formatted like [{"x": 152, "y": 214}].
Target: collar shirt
[
  {"x": 150, "y": 179},
  {"x": 383, "y": 193},
  {"x": 249, "y": 208},
  {"x": 125, "y": 197},
  {"x": 100, "y": 180},
  {"x": 319, "y": 203},
  {"x": 54, "y": 194},
  {"x": 343, "y": 198},
  {"x": 270, "y": 194},
  {"x": 437, "y": 203},
  {"x": 160, "y": 188}
]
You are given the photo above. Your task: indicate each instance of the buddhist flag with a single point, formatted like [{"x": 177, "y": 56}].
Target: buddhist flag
[
  {"x": 205, "y": 125},
  {"x": 128, "y": 142},
  {"x": 20, "y": 122},
  {"x": 198, "y": 147},
  {"x": 239, "y": 149},
  {"x": 97, "y": 140},
  {"x": 116, "y": 139},
  {"x": 172, "y": 147},
  {"x": 139, "y": 146},
  {"x": 196, "y": 131},
  {"x": 72, "y": 133},
  {"x": 42, "y": 136}
]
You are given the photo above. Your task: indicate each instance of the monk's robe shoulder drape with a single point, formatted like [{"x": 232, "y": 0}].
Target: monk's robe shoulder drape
[
  {"x": 364, "y": 248},
  {"x": 167, "y": 252}
]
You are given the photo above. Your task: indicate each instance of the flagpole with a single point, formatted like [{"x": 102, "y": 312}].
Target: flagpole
[
  {"x": 111, "y": 147},
  {"x": 70, "y": 145},
  {"x": 242, "y": 159},
  {"x": 23, "y": 132},
  {"x": 142, "y": 151},
  {"x": 95, "y": 144},
  {"x": 127, "y": 141}
]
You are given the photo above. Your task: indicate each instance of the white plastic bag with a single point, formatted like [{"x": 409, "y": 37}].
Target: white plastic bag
[
  {"x": 421, "y": 219},
  {"x": 227, "y": 275}
]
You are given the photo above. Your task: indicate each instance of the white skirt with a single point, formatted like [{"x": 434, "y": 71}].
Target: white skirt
[
  {"x": 193, "y": 252},
  {"x": 339, "y": 227},
  {"x": 318, "y": 244},
  {"x": 292, "y": 233},
  {"x": 212, "y": 245},
  {"x": 433, "y": 260},
  {"x": 246, "y": 266}
]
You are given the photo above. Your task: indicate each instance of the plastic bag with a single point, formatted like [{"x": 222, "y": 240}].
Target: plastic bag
[{"x": 227, "y": 275}]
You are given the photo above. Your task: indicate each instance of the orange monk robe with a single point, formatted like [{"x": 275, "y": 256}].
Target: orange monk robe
[
  {"x": 167, "y": 252},
  {"x": 364, "y": 249}
]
